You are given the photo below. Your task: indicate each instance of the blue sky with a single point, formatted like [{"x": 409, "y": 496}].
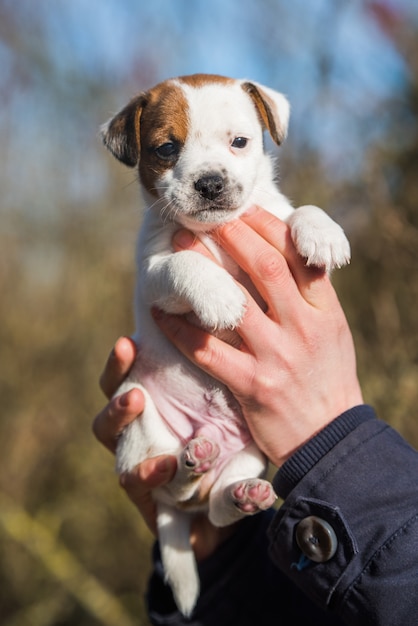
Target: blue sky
[
  {"x": 243, "y": 38},
  {"x": 128, "y": 45}
]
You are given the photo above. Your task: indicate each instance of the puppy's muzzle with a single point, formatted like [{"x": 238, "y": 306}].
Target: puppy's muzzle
[{"x": 210, "y": 186}]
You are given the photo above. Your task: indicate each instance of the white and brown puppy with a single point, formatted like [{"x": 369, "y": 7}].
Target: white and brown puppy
[{"x": 198, "y": 144}]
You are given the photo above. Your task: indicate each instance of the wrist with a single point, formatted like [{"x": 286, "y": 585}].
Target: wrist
[{"x": 299, "y": 464}]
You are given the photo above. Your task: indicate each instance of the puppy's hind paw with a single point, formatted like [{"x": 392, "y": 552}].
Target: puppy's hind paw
[
  {"x": 200, "y": 454},
  {"x": 253, "y": 495}
]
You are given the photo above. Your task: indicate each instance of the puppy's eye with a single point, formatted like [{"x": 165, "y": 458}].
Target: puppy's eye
[
  {"x": 239, "y": 142},
  {"x": 167, "y": 151}
]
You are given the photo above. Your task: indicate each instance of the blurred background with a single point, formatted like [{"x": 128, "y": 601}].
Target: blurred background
[{"x": 73, "y": 549}]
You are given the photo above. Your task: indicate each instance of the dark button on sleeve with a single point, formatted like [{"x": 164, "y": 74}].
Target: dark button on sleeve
[{"x": 316, "y": 539}]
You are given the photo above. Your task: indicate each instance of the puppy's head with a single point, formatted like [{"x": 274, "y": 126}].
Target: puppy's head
[{"x": 197, "y": 142}]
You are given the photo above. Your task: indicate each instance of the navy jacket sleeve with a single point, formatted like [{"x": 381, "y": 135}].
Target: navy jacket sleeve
[
  {"x": 360, "y": 478},
  {"x": 358, "y": 563}
]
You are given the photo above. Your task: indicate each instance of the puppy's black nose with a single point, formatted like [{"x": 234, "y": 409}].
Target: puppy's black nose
[{"x": 210, "y": 186}]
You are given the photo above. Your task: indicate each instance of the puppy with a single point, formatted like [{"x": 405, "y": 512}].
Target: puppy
[{"x": 198, "y": 144}]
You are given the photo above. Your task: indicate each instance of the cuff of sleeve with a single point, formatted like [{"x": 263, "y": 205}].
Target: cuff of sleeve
[{"x": 300, "y": 463}]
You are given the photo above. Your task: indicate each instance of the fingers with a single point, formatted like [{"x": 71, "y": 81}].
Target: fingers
[
  {"x": 313, "y": 282},
  {"x": 120, "y": 412},
  {"x": 118, "y": 365},
  {"x": 266, "y": 266},
  {"x": 185, "y": 240},
  {"x": 146, "y": 476},
  {"x": 211, "y": 354},
  {"x": 157, "y": 472}
]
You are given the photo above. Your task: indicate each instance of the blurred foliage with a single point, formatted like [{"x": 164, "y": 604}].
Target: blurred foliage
[
  {"x": 73, "y": 549},
  {"x": 380, "y": 291}
]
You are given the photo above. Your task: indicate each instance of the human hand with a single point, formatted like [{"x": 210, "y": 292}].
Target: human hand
[
  {"x": 295, "y": 369},
  {"x": 151, "y": 473},
  {"x": 121, "y": 410},
  {"x": 115, "y": 416}
]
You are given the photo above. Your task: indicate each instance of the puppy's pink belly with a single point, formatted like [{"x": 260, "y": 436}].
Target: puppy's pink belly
[{"x": 194, "y": 411}]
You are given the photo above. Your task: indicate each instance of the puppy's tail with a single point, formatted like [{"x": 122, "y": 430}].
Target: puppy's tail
[{"x": 177, "y": 556}]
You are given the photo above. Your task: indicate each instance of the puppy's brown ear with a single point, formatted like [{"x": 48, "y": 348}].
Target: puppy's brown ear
[
  {"x": 273, "y": 109},
  {"x": 121, "y": 133}
]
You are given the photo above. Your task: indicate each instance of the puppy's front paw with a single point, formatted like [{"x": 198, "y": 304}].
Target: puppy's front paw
[
  {"x": 318, "y": 238},
  {"x": 223, "y": 303}
]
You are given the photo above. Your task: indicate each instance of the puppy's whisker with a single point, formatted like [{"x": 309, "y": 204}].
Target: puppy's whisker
[
  {"x": 167, "y": 213},
  {"x": 149, "y": 207}
]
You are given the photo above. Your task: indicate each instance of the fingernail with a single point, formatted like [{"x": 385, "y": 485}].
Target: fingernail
[
  {"x": 124, "y": 399},
  {"x": 184, "y": 239},
  {"x": 253, "y": 209},
  {"x": 157, "y": 314}
]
